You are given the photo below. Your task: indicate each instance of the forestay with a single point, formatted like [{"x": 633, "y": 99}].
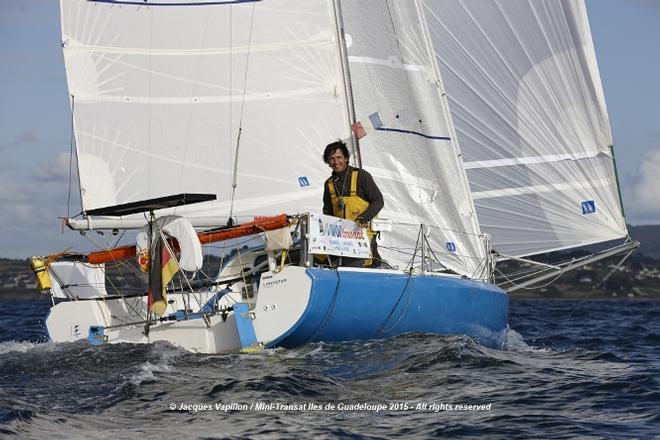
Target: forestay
[
  {"x": 527, "y": 103},
  {"x": 411, "y": 154},
  {"x": 159, "y": 90}
]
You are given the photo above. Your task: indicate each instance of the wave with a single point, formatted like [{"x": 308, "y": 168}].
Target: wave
[
  {"x": 516, "y": 343},
  {"x": 22, "y": 346}
]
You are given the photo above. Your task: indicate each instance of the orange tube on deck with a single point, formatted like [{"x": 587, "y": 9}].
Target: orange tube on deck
[
  {"x": 259, "y": 225},
  {"x": 108, "y": 255}
]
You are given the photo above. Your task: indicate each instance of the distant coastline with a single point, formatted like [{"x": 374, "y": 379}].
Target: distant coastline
[
  {"x": 638, "y": 279},
  {"x": 23, "y": 295}
]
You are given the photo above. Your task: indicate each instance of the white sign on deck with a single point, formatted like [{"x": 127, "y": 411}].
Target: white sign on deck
[{"x": 335, "y": 236}]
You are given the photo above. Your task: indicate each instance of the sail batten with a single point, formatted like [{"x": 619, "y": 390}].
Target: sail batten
[
  {"x": 293, "y": 94},
  {"x": 524, "y": 160},
  {"x": 538, "y": 189},
  {"x": 196, "y": 52}
]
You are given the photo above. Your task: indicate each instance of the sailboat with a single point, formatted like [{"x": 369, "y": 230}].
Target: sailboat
[{"x": 203, "y": 121}]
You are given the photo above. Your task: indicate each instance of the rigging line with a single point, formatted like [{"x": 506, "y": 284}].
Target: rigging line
[
  {"x": 526, "y": 273},
  {"x": 522, "y": 274},
  {"x": 240, "y": 120},
  {"x": 381, "y": 328},
  {"x": 63, "y": 286},
  {"x": 512, "y": 278},
  {"x": 149, "y": 104},
  {"x": 451, "y": 254},
  {"x": 183, "y": 293},
  {"x": 430, "y": 226},
  {"x": 541, "y": 286},
  {"x": 521, "y": 271},
  {"x": 106, "y": 247},
  {"x": 480, "y": 268},
  {"x": 118, "y": 264},
  {"x": 230, "y": 221},
  {"x": 383, "y": 331},
  {"x": 603, "y": 281},
  {"x": 412, "y": 260},
  {"x": 180, "y": 271},
  {"x": 73, "y": 140},
  {"x": 433, "y": 253},
  {"x": 240, "y": 261},
  {"x": 396, "y": 37},
  {"x": 247, "y": 65},
  {"x": 330, "y": 310},
  {"x": 123, "y": 263},
  {"x": 196, "y": 84},
  {"x": 233, "y": 245}
]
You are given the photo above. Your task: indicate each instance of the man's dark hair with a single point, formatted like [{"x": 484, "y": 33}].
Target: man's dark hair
[{"x": 330, "y": 148}]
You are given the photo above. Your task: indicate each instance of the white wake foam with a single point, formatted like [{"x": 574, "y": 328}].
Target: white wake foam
[
  {"x": 515, "y": 342},
  {"x": 21, "y": 346}
]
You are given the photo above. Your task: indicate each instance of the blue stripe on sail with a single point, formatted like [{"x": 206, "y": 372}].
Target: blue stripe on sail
[
  {"x": 427, "y": 136},
  {"x": 147, "y": 3}
]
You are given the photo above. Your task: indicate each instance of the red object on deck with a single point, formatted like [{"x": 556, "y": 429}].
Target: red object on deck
[
  {"x": 259, "y": 225},
  {"x": 108, "y": 255}
]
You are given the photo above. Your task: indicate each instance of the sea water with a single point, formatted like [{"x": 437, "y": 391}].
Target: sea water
[{"x": 569, "y": 370}]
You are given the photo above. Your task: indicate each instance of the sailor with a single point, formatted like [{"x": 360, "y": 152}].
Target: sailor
[{"x": 352, "y": 194}]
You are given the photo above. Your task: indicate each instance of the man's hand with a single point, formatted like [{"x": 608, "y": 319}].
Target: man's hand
[{"x": 361, "y": 222}]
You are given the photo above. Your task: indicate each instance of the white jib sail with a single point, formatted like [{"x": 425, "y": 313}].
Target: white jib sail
[
  {"x": 527, "y": 103},
  {"x": 410, "y": 154},
  {"x": 160, "y": 88}
]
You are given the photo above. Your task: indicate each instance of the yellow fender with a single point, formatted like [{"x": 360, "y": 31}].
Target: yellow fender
[{"x": 40, "y": 268}]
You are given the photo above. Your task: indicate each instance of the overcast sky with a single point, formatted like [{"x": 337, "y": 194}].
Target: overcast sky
[{"x": 35, "y": 120}]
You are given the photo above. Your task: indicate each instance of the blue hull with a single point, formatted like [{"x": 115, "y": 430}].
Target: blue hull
[{"x": 360, "y": 305}]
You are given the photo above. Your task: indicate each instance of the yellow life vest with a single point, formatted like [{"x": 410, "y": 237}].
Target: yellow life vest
[{"x": 351, "y": 206}]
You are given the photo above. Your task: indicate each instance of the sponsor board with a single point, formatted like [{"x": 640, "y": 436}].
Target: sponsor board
[{"x": 330, "y": 235}]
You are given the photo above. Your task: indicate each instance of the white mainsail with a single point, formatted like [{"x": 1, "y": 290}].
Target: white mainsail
[
  {"x": 411, "y": 156},
  {"x": 527, "y": 103},
  {"x": 159, "y": 90}
]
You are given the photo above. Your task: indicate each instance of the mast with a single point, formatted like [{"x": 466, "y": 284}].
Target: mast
[{"x": 346, "y": 79}]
